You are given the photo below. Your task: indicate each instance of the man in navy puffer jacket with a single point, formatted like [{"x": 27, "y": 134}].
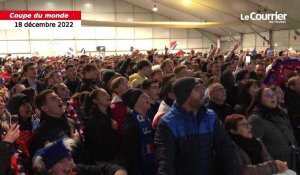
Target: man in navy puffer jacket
[{"x": 190, "y": 139}]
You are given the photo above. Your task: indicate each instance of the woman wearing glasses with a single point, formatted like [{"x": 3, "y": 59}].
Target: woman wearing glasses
[
  {"x": 272, "y": 126},
  {"x": 251, "y": 152}
]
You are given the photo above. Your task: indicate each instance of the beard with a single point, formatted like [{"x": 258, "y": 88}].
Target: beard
[{"x": 196, "y": 104}]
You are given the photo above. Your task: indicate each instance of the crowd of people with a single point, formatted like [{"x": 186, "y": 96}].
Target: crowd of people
[{"x": 145, "y": 114}]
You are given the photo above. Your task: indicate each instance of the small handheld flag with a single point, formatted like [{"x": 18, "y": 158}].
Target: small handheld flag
[
  {"x": 82, "y": 51},
  {"x": 180, "y": 53},
  {"x": 173, "y": 44},
  {"x": 254, "y": 51},
  {"x": 131, "y": 48}
]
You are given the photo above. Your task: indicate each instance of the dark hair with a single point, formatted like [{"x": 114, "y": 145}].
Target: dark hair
[
  {"x": 30, "y": 92},
  {"x": 256, "y": 101},
  {"x": 40, "y": 99},
  {"x": 166, "y": 88},
  {"x": 232, "y": 120},
  {"x": 224, "y": 66},
  {"x": 16, "y": 75},
  {"x": 82, "y": 96},
  {"x": 69, "y": 66},
  {"x": 198, "y": 74},
  {"x": 147, "y": 84},
  {"x": 243, "y": 87},
  {"x": 167, "y": 78},
  {"x": 179, "y": 68},
  {"x": 241, "y": 75},
  {"x": 27, "y": 65},
  {"x": 143, "y": 63},
  {"x": 227, "y": 79},
  {"x": 88, "y": 101},
  {"x": 217, "y": 57},
  {"x": 165, "y": 62},
  {"x": 89, "y": 68},
  {"x": 39, "y": 61}
]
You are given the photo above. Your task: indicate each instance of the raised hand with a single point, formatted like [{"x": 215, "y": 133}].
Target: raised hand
[
  {"x": 236, "y": 45},
  {"x": 12, "y": 134},
  {"x": 114, "y": 124},
  {"x": 75, "y": 135},
  {"x": 120, "y": 172},
  {"x": 282, "y": 166}
]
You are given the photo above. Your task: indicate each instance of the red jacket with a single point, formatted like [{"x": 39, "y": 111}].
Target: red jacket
[
  {"x": 6, "y": 76},
  {"x": 24, "y": 142},
  {"x": 119, "y": 112}
]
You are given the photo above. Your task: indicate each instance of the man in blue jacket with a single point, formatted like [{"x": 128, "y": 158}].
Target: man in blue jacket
[{"x": 190, "y": 139}]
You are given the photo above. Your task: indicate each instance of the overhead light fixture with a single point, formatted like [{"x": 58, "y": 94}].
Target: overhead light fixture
[
  {"x": 155, "y": 8},
  {"x": 186, "y": 2},
  {"x": 88, "y": 5}
]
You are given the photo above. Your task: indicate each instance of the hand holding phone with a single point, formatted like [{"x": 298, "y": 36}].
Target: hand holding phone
[
  {"x": 248, "y": 60},
  {"x": 12, "y": 134},
  {"x": 14, "y": 120}
]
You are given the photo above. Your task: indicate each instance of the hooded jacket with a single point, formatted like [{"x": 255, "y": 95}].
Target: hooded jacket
[{"x": 189, "y": 144}]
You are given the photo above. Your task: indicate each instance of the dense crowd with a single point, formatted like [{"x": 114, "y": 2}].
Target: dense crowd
[{"x": 195, "y": 113}]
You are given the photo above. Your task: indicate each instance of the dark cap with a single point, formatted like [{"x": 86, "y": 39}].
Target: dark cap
[{"x": 183, "y": 87}]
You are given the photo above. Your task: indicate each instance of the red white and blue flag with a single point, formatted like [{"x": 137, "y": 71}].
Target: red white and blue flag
[{"x": 173, "y": 44}]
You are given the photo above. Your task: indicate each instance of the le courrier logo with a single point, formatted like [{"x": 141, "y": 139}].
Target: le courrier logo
[{"x": 270, "y": 17}]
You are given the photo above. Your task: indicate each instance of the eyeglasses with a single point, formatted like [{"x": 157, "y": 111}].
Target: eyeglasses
[
  {"x": 246, "y": 124},
  {"x": 222, "y": 90},
  {"x": 271, "y": 96}
]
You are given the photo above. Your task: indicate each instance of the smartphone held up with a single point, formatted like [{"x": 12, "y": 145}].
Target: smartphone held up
[{"x": 14, "y": 120}]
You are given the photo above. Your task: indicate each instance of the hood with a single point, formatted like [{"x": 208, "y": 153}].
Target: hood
[{"x": 116, "y": 99}]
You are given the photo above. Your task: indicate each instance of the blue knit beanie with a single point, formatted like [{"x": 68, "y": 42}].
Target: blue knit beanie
[{"x": 50, "y": 155}]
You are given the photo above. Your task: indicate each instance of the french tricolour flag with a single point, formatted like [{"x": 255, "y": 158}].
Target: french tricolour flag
[{"x": 173, "y": 44}]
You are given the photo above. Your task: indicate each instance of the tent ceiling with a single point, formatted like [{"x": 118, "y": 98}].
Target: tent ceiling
[{"x": 227, "y": 11}]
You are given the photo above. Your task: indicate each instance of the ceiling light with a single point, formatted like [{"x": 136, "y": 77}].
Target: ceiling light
[
  {"x": 186, "y": 2},
  {"x": 155, "y": 8}
]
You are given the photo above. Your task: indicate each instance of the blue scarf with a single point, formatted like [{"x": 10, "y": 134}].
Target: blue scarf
[{"x": 147, "y": 143}]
